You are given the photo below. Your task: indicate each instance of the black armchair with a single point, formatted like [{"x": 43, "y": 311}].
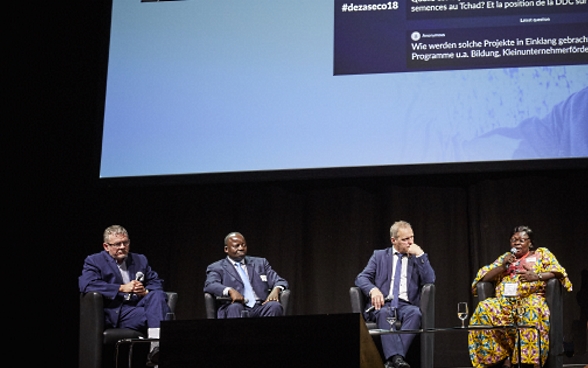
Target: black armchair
[
  {"x": 554, "y": 298},
  {"x": 427, "y": 340},
  {"x": 212, "y": 303},
  {"x": 93, "y": 336}
]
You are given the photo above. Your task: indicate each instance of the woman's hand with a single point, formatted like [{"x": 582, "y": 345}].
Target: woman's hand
[
  {"x": 508, "y": 259},
  {"x": 528, "y": 275}
]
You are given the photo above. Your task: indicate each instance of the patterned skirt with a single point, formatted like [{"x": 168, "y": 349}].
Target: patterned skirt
[{"x": 488, "y": 347}]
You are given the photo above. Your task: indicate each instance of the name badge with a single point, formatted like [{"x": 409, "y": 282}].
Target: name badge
[
  {"x": 263, "y": 278},
  {"x": 510, "y": 288},
  {"x": 531, "y": 260}
]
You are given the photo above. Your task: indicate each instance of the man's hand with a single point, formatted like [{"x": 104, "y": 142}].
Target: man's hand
[
  {"x": 377, "y": 298},
  {"x": 236, "y": 296},
  {"x": 274, "y": 296},
  {"x": 415, "y": 250},
  {"x": 130, "y": 287},
  {"x": 133, "y": 287},
  {"x": 139, "y": 288}
]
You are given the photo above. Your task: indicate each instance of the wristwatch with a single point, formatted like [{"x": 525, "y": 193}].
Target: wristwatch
[{"x": 540, "y": 276}]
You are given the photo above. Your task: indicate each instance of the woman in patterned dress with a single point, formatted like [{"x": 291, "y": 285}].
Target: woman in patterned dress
[{"x": 520, "y": 277}]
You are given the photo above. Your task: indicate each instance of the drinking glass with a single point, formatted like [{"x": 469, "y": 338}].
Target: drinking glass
[
  {"x": 462, "y": 312},
  {"x": 391, "y": 317}
]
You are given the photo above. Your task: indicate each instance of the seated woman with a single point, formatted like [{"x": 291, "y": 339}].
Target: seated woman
[{"x": 519, "y": 277}]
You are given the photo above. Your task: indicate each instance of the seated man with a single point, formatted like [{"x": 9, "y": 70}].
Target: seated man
[
  {"x": 133, "y": 292},
  {"x": 251, "y": 283},
  {"x": 393, "y": 279}
]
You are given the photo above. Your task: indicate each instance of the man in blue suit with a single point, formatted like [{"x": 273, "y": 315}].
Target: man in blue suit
[
  {"x": 250, "y": 282},
  {"x": 133, "y": 292},
  {"x": 377, "y": 281}
]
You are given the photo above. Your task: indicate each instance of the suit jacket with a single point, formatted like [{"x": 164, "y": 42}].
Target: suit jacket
[
  {"x": 100, "y": 273},
  {"x": 378, "y": 273},
  {"x": 222, "y": 274}
]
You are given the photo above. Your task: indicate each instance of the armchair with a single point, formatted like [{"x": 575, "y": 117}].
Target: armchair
[
  {"x": 427, "y": 340},
  {"x": 554, "y": 299},
  {"x": 212, "y": 303},
  {"x": 93, "y": 337}
]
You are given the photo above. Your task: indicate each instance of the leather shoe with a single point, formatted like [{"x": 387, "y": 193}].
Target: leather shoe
[
  {"x": 153, "y": 357},
  {"x": 399, "y": 362},
  {"x": 389, "y": 364}
]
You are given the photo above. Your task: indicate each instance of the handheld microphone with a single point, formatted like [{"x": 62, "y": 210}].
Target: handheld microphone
[
  {"x": 372, "y": 307},
  {"x": 139, "y": 277},
  {"x": 514, "y": 251}
]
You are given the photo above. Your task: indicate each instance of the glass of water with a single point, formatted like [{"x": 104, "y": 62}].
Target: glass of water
[
  {"x": 391, "y": 317},
  {"x": 462, "y": 312}
]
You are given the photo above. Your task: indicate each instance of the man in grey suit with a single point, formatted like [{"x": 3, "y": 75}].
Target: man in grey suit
[
  {"x": 399, "y": 292},
  {"x": 250, "y": 282}
]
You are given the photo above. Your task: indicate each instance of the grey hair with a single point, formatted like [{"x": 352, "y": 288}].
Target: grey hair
[
  {"x": 397, "y": 226},
  {"x": 114, "y": 230}
]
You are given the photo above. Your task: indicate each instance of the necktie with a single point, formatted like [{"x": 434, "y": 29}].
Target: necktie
[
  {"x": 397, "y": 273},
  {"x": 249, "y": 296}
]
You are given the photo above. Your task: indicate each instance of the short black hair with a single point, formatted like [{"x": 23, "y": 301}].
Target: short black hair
[{"x": 524, "y": 229}]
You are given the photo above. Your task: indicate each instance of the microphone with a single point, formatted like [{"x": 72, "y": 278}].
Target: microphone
[
  {"x": 372, "y": 307},
  {"x": 138, "y": 277},
  {"x": 514, "y": 251}
]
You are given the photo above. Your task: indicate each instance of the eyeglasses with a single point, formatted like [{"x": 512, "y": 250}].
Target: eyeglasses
[
  {"x": 119, "y": 244},
  {"x": 518, "y": 240}
]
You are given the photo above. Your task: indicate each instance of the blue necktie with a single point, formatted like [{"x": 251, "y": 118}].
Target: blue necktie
[
  {"x": 397, "y": 273},
  {"x": 249, "y": 296}
]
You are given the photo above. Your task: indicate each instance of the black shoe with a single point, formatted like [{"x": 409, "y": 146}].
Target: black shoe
[
  {"x": 398, "y": 362},
  {"x": 153, "y": 357}
]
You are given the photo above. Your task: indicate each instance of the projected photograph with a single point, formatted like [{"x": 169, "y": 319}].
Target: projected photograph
[{"x": 208, "y": 86}]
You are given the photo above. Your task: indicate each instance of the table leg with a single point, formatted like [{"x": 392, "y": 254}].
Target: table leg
[
  {"x": 519, "y": 347},
  {"x": 131, "y": 355}
]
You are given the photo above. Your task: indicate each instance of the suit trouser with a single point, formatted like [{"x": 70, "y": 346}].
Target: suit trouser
[
  {"x": 147, "y": 313},
  {"x": 398, "y": 344},
  {"x": 269, "y": 309}
]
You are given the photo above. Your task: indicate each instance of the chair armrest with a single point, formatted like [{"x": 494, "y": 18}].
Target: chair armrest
[
  {"x": 428, "y": 306},
  {"x": 91, "y": 329},
  {"x": 210, "y": 305},
  {"x": 357, "y": 300},
  {"x": 554, "y": 295},
  {"x": 172, "y": 300},
  {"x": 285, "y": 301},
  {"x": 554, "y": 299},
  {"x": 485, "y": 290},
  {"x": 427, "y": 321}
]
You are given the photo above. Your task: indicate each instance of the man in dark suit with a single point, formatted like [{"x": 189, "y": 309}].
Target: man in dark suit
[
  {"x": 391, "y": 291},
  {"x": 250, "y": 282},
  {"x": 133, "y": 292}
]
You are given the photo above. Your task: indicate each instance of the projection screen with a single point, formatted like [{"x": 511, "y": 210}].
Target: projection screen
[{"x": 203, "y": 87}]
